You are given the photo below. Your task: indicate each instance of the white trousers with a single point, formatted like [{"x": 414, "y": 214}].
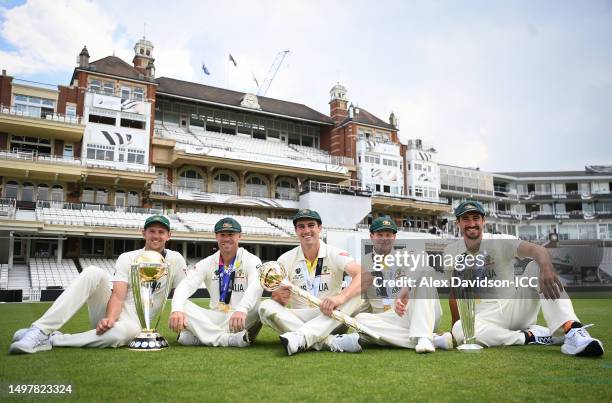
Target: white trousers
[
  {"x": 91, "y": 287},
  {"x": 212, "y": 327},
  {"x": 311, "y": 322},
  {"x": 502, "y": 322},
  {"x": 421, "y": 319}
]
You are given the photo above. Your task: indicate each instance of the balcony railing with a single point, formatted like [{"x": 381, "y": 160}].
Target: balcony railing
[
  {"x": 55, "y": 159},
  {"x": 8, "y": 208},
  {"x": 55, "y": 117}
]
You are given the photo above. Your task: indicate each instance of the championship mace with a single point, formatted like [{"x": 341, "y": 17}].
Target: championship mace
[
  {"x": 151, "y": 281},
  {"x": 272, "y": 275}
]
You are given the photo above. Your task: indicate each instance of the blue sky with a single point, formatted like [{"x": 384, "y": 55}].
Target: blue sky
[{"x": 503, "y": 85}]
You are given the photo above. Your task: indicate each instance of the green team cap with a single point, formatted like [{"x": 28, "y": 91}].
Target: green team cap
[
  {"x": 157, "y": 219},
  {"x": 469, "y": 206},
  {"x": 307, "y": 214},
  {"x": 383, "y": 223},
  {"x": 227, "y": 224}
]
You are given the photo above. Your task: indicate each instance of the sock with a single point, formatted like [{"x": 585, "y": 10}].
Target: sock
[
  {"x": 529, "y": 337},
  {"x": 571, "y": 324}
]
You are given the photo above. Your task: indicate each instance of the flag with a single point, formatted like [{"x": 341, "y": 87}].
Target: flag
[
  {"x": 255, "y": 79},
  {"x": 205, "y": 70},
  {"x": 231, "y": 59}
]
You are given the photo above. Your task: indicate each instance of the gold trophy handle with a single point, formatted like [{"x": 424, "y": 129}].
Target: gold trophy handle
[{"x": 336, "y": 314}]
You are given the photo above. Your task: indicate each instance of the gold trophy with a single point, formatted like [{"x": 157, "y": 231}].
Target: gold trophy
[
  {"x": 151, "y": 281},
  {"x": 273, "y": 274}
]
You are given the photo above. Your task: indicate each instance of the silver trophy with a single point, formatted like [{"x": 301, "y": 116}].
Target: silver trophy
[
  {"x": 466, "y": 301},
  {"x": 273, "y": 274},
  {"x": 151, "y": 280}
]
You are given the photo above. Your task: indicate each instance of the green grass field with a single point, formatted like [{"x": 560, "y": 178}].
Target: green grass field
[{"x": 263, "y": 372}]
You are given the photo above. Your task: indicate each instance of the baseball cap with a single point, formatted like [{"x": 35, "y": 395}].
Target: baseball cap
[
  {"x": 157, "y": 218},
  {"x": 227, "y": 224},
  {"x": 469, "y": 206},
  {"x": 308, "y": 215},
  {"x": 383, "y": 223}
]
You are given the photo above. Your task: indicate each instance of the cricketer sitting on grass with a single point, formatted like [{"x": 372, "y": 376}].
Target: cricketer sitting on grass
[
  {"x": 112, "y": 313},
  {"x": 232, "y": 279},
  {"x": 404, "y": 318},
  {"x": 317, "y": 268},
  {"x": 508, "y": 316}
]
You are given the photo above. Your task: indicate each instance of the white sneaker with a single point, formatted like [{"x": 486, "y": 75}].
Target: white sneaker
[
  {"x": 345, "y": 343},
  {"x": 540, "y": 334},
  {"x": 240, "y": 339},
  {"x": 443, "y": 341},
  {"x": 186, "y": 338},
  {"x": 424, "y": 345},
  {"x": 33, "y": 341},
  {"x": 579, "y": 342},
  {"x": 19, "y": 334},
  {"x": 293, "y": 342}
]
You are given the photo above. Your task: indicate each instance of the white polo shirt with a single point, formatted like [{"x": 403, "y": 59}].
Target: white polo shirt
[{"x": 334, "y": 262}]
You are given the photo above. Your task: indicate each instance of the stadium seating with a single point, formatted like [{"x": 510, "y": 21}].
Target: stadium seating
[
  {"x": 197, "y": 136},
  {"x": 47, "y": 272},
  {"x": 3, "y": 276},
  {"x": 284, "y": 224},
  {"x": 19, "y": 278},
  {"x": 98, "y": 218},
  {"x": 105, "y": 264},
  {"x": 250, "y": 225}
]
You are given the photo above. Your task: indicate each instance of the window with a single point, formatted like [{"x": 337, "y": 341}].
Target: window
[
  {"x": 42, "y": 193},
  {"x": 135, "y": 156},
  {"x": 57, "y": 193},
  {"x": 286, "y": 189},
  {"x": 191, "y": 179},
  {"x": 100, "y": 153},
  {"x": 120, "y": 198},
  {"x": 256, "y": 186},
  {"x": 101, "y": 196},
  {"x": 138, "y": 93},
  {"x": 225, "y": 183},
  {"x": 27, "y": 192},
  {"x": 68, "y": 151},
  {"x": 71, "y": 111},
  {"x": 109, "y": 88},
  {"x": 10, "y": 190},
  {"x": 105, "y": 120},
  {"x": 88, "y": 195},
  {"x": 133, "y": 200},
  {"x": 95, "y": 85}
]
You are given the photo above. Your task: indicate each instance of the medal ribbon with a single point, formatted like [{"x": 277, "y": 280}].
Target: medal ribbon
[
  {"x": 226, "y": 280},
  {"x": 314, "y": 284}
]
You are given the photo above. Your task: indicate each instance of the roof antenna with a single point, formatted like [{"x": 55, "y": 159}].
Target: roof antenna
[{"x": 144, "y": 31}]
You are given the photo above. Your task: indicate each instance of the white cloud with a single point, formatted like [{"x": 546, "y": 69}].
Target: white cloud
[{"x": 48, "y": 35}]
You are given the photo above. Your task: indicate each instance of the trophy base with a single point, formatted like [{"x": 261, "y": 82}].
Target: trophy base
[
  {"x": 469, "y": 348},
  {"x": 148, "y": 341}
]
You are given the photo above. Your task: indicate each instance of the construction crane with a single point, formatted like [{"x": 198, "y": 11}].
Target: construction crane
[{"x": 265, "y": 85}]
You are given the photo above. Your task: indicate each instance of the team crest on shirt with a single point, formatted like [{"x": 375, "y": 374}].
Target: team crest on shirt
[{"x": 298, "y": 270}]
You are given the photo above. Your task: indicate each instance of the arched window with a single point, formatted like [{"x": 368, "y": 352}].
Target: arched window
[
  {"x": 256, "y": 186},
  {"x": 225, "y": 183},
  {"x": 27, "y": 192},
  {"x": 10, "y": 190},
  {"x": 133, "y": 199},
  {"x": 286, "y": 188},
  {"x": 102, "y": 196},
  {"x": 42, "y": 192},
  {"x": 191, "y": 179},
  {"x": 120, "y": 198},
  {"x": 57, "y": 193}
]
